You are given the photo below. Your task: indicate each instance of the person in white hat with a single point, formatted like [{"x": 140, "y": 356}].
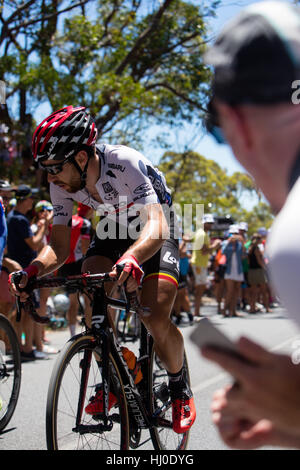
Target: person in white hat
[{"x": 200, "y": 258}]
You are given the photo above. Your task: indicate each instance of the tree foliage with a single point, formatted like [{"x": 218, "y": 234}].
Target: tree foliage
[
  {"x": 194, "y": 179},
  {"x": 128, "y": 61}
]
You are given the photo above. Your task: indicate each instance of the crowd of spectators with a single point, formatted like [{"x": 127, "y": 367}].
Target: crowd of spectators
[{"x": 230, "y": 268}]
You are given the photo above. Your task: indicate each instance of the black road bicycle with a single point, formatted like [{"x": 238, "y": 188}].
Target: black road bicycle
[{"x": 93, "y": 360}]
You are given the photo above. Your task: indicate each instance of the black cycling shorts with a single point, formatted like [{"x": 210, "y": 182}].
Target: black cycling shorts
[
  {"x": 164, "y": 264},
  {"x": 70, "y": 269}
]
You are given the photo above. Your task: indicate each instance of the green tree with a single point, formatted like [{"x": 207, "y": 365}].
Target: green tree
[
  {"x": 195, "y": 179},
  {"x": 259, "y": 216},
  {"x": 131, "y": 62}
]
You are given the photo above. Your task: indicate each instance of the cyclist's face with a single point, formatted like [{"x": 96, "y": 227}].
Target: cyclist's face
[{"x": 68, "y": 178}]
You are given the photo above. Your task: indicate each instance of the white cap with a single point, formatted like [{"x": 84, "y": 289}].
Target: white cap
[
  {"x": 208, "y": 219},
  {"x": 243, "y": 226},
  {"x": 233, "y": 229}
]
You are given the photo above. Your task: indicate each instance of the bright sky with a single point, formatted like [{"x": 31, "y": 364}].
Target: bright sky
[
  {"x": 203, "y": 143},
  {"x": 207, "y": 147}
]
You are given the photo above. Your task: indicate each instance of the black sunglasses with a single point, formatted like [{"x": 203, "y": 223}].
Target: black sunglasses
[{"x": 53, "y": 169}]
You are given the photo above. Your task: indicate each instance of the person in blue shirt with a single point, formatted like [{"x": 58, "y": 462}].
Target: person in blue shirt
[{"x": 22, "y": 246}]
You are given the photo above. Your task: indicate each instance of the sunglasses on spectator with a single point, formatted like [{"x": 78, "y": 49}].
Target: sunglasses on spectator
[{"x": 212, "y": 124}]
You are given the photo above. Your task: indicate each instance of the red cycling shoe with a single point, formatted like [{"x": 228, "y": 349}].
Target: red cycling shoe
[
  {"x": 183, "y": 411},
  {"x": 96, "y": 404}
]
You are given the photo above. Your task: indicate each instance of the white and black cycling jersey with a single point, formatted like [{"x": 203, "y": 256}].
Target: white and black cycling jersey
[{"x": 127, "y": 180}]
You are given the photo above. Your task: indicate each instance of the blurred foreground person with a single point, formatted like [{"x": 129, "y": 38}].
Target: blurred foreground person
[{"x": 255, "y": 108}]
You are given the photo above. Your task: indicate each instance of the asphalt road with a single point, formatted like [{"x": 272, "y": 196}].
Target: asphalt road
[{"x": 26, "y": 430}]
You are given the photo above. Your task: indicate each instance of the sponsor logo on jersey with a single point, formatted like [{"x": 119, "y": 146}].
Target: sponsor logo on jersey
[
  {"x": 142, "y": 188},
  {"x": 114, "y": 166}
]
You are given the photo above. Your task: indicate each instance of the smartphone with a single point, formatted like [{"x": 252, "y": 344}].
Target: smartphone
[{"x": 206, "y": 334}]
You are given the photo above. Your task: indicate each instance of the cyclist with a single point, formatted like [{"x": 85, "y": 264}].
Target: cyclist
[{"x": 136, "y": 230}]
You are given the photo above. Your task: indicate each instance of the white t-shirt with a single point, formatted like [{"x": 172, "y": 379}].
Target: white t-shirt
[
  {"x": 283, "y": 252},
  {"x": 127, "y": 179}
]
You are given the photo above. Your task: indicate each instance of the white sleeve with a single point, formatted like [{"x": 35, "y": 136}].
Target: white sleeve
[
  {"x": 283, "y": 252},
  {"x": 136, "y": 177},
  {"x": 62, "y": 206}
]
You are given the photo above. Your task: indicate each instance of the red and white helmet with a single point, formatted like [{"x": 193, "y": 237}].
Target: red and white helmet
[{"x": 60, "y": 135}]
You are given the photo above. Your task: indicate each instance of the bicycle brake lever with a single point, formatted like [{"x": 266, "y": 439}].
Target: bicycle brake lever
[
  {"x": 29, "y": 308},
  {"x": 16, "y": 278}
]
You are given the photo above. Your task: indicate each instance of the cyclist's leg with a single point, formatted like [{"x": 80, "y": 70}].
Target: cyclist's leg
[
  {"x": 158, "y": 294},
  {"x": 97, "y": 261}
]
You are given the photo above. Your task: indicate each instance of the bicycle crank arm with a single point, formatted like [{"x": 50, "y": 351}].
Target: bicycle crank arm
[{"x": 93, "y": 428}]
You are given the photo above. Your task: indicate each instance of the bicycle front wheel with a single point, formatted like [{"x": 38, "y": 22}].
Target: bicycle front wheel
[
  {"x": 163, "y": 436},
  {"x": 76, "y": 376},
  {"x": 10, "y": 371}
]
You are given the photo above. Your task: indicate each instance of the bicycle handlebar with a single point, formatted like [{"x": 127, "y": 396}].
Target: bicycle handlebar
[{"x": 80, "y": 282}]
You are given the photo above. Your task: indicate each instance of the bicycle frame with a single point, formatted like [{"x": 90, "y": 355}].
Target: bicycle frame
[
  {"x": 138, "y": 398},
  {"x": 103, "y": 332}
]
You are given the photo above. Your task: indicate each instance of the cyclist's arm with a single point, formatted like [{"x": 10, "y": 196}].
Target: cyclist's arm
[
  {"x": 153, "y": 235},
  {"x": 52, "y": 256}
]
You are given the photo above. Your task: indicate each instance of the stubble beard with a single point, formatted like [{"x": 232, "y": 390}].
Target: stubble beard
[{"x": 73, "y": 185}]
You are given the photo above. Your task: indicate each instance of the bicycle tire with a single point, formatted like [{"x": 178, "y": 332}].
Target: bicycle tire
[
  {"x": 163, "y": 437},
  {"x": 10, "y": 371},
  {"x": 64, "y": 391}
]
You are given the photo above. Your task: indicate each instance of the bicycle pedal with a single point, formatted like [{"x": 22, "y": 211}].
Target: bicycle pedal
[{"x": 163, "y": 392}]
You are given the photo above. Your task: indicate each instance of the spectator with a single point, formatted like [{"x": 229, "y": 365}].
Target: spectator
[
  {"x": 245, "y": 287},
  {"x": 43, "y": 211},
  {"x": 3, "y": 231},
  {"x": 200, "y": 258},
  {"x": 80, "y": 240},
  {"x": 257, "y": 275},
  {"x": 21, "y": 247},
  {"x": 7, "y": 301},
  {"x": 182, "y": 301},
  {"x": 6, "y": 192},
  {"x": 232, "y": 248},
  {"x": 219, "y": 281},
  {"x": 256, "y": 60}
]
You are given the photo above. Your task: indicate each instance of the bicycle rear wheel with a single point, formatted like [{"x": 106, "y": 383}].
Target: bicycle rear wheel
[
  {"x": 10, "y": 371},
  {"x": 163, "y": 436},
  {"x": 73, "y": 382}
]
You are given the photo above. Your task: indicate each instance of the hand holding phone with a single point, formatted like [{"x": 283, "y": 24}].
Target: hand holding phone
[{"x": 206, "y": 334}]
